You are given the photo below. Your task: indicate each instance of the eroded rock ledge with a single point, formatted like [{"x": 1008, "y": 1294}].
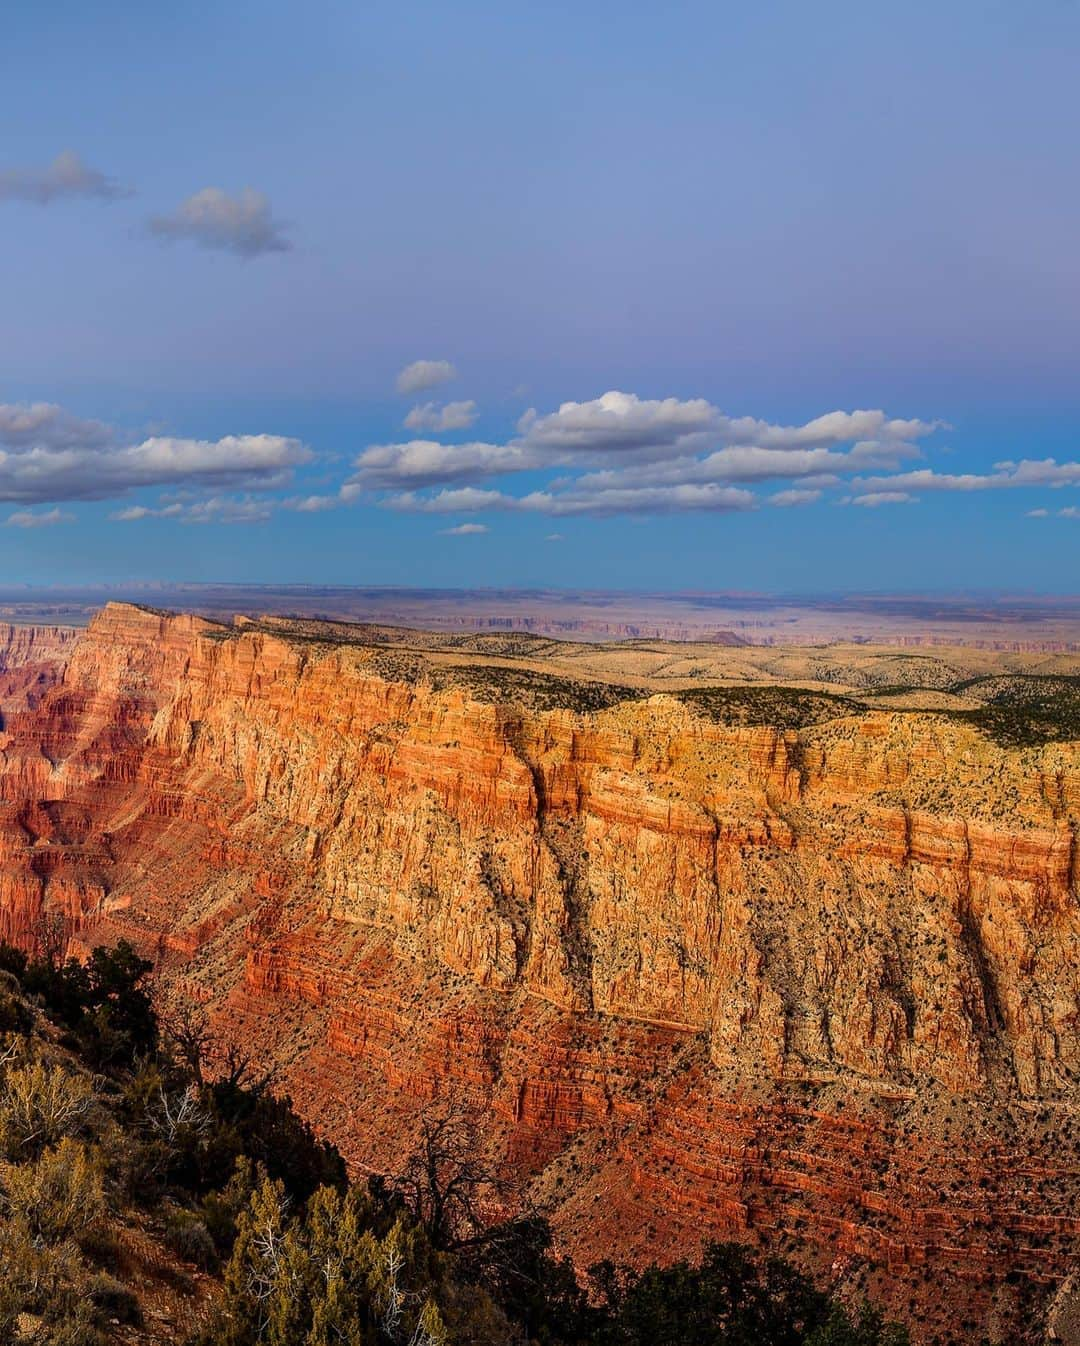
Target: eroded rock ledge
[{"x": 819, "y": 988}]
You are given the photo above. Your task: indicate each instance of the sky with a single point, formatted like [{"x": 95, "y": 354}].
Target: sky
[{"x": 771, "y": 296}]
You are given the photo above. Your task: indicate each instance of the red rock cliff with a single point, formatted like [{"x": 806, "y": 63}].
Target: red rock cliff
[
  {"x": 817, "y": 989},
  {"x": 31, "y": 661}
]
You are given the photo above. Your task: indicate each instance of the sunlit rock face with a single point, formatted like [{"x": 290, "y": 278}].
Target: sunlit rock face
[{"x": 818, "y": 989}]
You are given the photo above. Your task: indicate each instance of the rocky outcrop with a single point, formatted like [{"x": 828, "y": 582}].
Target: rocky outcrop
[
  {"x": 818, "y": 989},
  {"x": 32, "y": 660}
]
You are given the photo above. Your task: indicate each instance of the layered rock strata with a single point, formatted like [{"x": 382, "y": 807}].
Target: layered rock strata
[{"x": 819, "y": 990}]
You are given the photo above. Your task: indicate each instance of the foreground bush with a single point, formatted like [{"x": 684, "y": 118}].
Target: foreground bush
[{"x": 41, "y": 1103}]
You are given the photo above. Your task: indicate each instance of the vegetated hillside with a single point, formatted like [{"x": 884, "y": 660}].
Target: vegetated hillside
[
  {"x": 1025, "y": 710},
  {"x": 154, "y": 1189}
]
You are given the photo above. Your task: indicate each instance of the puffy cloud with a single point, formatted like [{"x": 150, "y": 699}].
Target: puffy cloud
[
  {"x": 787, "y": 499},
  {"x": 24, "y": 518},
  {"x": 618, "y": 424},
  {"x": 66, "y": 176},
  {"x": 243, "y": 224},
  {"x": 426, "y": 462},
  {"x": 867, "y": 429},
  {"x": 465, "y": 530},
  {"x": 46, "y": 425},
  {"x": 1038, "y": 514},
  {"x": 452, "y": 416},
  {"x": 424, "y": 374},
  {"x": 46, "y": 454},
  {"x": 1069, "y": 512},
  {"x": 739, "y": 464}
]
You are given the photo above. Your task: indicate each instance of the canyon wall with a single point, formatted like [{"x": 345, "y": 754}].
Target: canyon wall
[
  {"x": 818, "y": 990},
  {"x": 32, "y": 660}
]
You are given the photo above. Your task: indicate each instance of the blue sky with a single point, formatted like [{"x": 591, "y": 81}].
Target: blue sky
[{"x": 227, "y": 230}]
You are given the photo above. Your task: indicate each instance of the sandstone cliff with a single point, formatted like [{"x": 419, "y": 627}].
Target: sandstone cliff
[
  {"x": 31, "y": 661},
  {"x": 817, "y": 988}
]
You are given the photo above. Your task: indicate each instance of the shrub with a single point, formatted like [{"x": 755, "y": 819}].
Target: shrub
[
  {"x": 190, "y": 1240},
  {"x": 60, "y": 1195},
  {"x": 113, "y": 1298},
  {"x": 73, "y": 1323},
  {"x": 12, "y": 960},
  {"x": 39, "y": 1105},
  {"x": 103, "y": 1002},
  {"x": 16, "y": 1016},
  {"x": 33, "y": 1274}
]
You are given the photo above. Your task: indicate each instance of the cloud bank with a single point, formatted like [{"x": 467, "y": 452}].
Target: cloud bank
[
  {"x": 48, "y": 455},
  {"x": 617, "y": 455},
  {"x": 622, "y": 454}
]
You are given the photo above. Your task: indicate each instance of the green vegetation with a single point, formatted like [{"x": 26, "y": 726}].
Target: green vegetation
[
  {"x": 1018, "y": 710},
  {"x": 533, "y": 690},
  {"x": 781, "y": 707},
  {"x": 1023, "y": 711},
  {"x": 117, "y": 1127}
]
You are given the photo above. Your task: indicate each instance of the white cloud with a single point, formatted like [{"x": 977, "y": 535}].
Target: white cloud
[
  {"x": 66, "y": 176},
  {"x": 426, "y": 462},
  {"x": 652, "y": 500},
  {"x": 1038, "y": 514},
  {"x": 243, "y": 224},
  {"x": 875, "y": 498},
  {"x": 312, "y": 504},
  {"x": 618, "y": 424},
  {"x": 222, "y": 509},
  {"x": 44, "y": 424},
  {"x": 215, "y": 509},
  {"x": 1069, "y": 512},
  {"x": 24, "y": 518},
  {"x": 553, "y": 537},
  {"x": 46, "y": 454},
  {"x": 464, "y": 530},
  {"x": 1006, "y": 476},
  {"x": 424, "y": 374},
  {"x": 794, "y": 497},
  {"x": 624, "y": 453},
  {"x": 136, "y": 513},
  {"x": 452, "y": 416}
]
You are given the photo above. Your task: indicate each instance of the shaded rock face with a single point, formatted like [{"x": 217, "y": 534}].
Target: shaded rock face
[
  {"x": 32, "y": 660},
  {"x": 819, "y": 990}
]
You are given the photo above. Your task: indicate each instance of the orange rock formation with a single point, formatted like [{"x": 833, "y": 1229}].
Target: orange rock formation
[{"x": 816, "y": 989}]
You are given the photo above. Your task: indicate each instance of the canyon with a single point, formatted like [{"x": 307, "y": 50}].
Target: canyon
[{"x": 815, "y": 987}]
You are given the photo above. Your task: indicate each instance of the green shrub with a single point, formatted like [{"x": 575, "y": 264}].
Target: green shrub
[
  {"x": 59, "y": 1195},
  {"x": 41, "y": 1104},
  {"x": 113, "y": 1298},
  {"x": 190, "y": 1240}
]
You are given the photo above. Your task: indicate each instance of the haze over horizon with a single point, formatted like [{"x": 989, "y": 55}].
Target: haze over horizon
[{"x": 781, "y": 300}]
